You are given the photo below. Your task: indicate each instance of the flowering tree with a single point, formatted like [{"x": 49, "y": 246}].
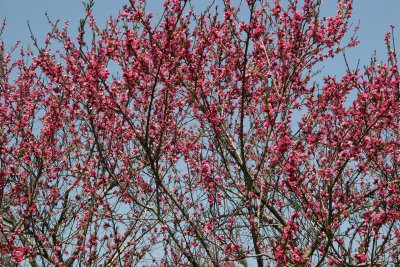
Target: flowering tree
[{"x": 178, "y": 141}]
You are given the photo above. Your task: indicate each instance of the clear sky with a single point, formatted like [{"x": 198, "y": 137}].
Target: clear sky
[{"x": 374, "y": 16}]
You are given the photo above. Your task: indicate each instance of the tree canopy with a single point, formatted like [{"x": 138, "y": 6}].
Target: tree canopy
[{"x": 199, "y": 139}]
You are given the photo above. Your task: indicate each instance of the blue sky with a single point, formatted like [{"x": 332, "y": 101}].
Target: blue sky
[{"x": 374, "y": 16}]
